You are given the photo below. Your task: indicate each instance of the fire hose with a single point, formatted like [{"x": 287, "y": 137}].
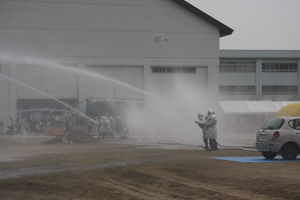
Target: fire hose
[
  {"x": 242, "y": 148},
  {"x": 231, "y": 147}
]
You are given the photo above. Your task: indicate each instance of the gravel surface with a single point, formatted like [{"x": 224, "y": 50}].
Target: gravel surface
[{"x": 136, "y": 169}]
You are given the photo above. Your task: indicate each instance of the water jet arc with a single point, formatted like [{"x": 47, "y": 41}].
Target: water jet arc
[
  {"x": 99, "y": 76},
  {"x": 49, "y": 97}
]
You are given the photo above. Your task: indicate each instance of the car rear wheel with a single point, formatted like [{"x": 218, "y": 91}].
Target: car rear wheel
[
  {"x": 269, "y": 155},
  {"x": 289, "y": 152}
]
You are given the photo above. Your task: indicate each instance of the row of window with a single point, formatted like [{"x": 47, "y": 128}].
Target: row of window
[
  {"x": 266, "y": 89},
  {"x": 187, "y": 70},
  {"x": 234, "y": 89},
  {"x": 279, "y": 89},
  {"x": 237, "y": 67},
  {"x": 279, "y": 67},
  {"x": 250, "y": 67}
]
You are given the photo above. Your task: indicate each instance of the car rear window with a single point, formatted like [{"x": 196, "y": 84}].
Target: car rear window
[{"x": 274, "y": 123}]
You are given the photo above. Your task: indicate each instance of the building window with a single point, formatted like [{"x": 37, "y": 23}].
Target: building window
[
  {"x": 237, "y": 89},
  {"x": 170, "y": 70},
  {"x": 231, "y": 67},
  {"x": 173, "y": 70},
  {"x": 279, "y": 89},
  {"x": 161, "y": 70},
  {"x": 237, "y": 67},
  {"x": 189, "y": 70},
  {"x": 279, "y": 67}
]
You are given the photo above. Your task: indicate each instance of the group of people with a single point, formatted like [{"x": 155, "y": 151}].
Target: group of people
[
  {"x": 14, "y": 127},
  {"x": 35, "y": 126},
  {"x": 106, "y": 127},
  {"x": 208, "y": 124},
  {"x": 38, "y": 126}
]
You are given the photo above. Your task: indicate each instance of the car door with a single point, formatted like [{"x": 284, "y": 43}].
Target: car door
[{"x": 296, "y": 130}]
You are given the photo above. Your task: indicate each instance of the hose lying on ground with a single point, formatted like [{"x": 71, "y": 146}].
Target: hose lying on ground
[
  {"x": 231, "y": 147},
  {"x": 242, "y": 148}
]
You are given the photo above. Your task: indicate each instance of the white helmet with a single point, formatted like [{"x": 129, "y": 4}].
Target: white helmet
[
  {"x": 200, "y": 115},
  {"x": 211, "y": 112}
]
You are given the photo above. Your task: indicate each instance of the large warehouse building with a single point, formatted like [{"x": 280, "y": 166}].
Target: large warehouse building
[
  {"x": 163, "y": 53},
  {"x": 165, "y": 50}
]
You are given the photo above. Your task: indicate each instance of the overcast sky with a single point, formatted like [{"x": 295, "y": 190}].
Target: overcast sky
[{"x": 257, "y": 24}]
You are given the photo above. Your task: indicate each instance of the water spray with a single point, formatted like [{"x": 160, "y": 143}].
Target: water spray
[
  {"x": 49, "y": 97},
  {"x": 39, "y": 109},
  {"x": 141, "y": 102},
  {"x": 53, "y": 65}
]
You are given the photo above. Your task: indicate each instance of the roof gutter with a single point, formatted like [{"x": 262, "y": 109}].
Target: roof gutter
[{"x": 224, "y": 30}]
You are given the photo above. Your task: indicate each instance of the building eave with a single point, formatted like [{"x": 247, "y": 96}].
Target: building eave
[
  {"x": 260, "y": 54},
  {"x": 224, "y": 30}
]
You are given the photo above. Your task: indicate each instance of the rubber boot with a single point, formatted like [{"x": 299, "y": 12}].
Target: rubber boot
[
  {"x": 216, "y": 145},
  {"x": 212, "y": 145}
]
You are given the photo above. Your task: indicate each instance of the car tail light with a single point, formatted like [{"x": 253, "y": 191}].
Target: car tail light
[{"x": 276, "y": 135}]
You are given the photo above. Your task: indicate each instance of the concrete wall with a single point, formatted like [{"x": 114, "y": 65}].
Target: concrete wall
[
  {"x": 60, "y": 84},
  {"x": 101, "y": 32},
  {"x": 172, "y": 86},
  {"x": 114, "y": 82},
  {"x": 113, "y": 38}
]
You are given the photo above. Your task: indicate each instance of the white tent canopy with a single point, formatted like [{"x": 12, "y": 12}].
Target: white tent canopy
[{"x": 254, "y": 107}]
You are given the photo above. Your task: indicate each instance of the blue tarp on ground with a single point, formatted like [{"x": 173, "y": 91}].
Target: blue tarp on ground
[{"x": 255, "y": 159}]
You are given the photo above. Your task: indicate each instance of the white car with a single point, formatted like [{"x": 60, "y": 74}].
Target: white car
[{"x": 279, "y": 136}]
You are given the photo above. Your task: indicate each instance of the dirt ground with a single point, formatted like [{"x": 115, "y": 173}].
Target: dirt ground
[{"x": 109, "y": 169}]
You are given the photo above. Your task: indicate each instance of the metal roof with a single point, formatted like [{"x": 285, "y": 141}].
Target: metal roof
[
  {"x": 253, "y": 107},
  {"x": 259, "y": 53},
  {"x": 224, "y": 30}
]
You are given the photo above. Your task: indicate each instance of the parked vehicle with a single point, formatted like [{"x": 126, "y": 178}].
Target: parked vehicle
[{"x": 279, "y": 136}]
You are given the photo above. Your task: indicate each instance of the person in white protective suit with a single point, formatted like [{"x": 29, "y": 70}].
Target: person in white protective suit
[
  {"x": 112, "y": 123},
  {"x": 108, "y": 129},
  {"x": 211, "y": 124},
  {"x": 201, "y": 121},
  {"x": 101, "y": 128}
]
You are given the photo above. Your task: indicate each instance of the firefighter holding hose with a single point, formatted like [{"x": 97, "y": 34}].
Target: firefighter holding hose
[
  {"x": 211, "y": 125},
  {"x": 201, "y": 123}
]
